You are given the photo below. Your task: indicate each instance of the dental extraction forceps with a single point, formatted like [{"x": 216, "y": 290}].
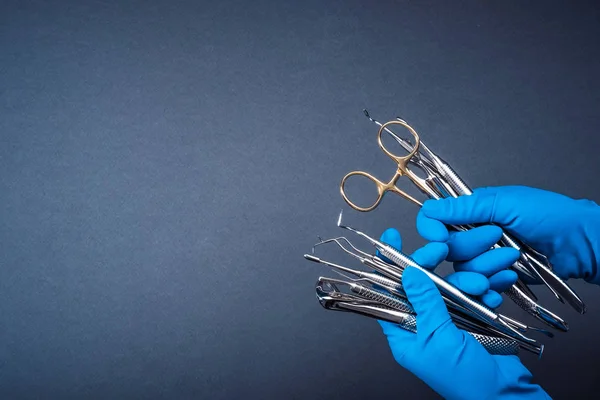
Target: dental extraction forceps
[
  {"x": 442, "y": 181},
  {"x": 331, "y": 298}
]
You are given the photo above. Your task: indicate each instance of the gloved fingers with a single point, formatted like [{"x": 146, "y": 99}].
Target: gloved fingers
[
  {"x": 431, "y": 229},
  {"x": 492, "y": 299},
  {"x": 394, "y": 331},
  {"x": 399, "y": 339},
  {"x": 465, "y": 245},
  {"x": 392, "y": 237},
  {"x": 503, "y": 280},
  {"x": 430, "y": 255},
  {"x": 479, "y": 207},
  {"x": 490, "y": 262},
  {"x": 478, "y": 285},
  {"x": 428, "y": 304},
  {"x": 469, "y": 282}
]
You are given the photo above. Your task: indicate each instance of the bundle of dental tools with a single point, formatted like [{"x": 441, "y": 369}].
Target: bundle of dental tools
[{"x": 378, "y": 293}]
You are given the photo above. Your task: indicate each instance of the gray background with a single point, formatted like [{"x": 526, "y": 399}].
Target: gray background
[{"x": 165, "y": 164}]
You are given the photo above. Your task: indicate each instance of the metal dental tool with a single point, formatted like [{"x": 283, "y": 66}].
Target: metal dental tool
[
  {"x": 331, "y": 298},
  {"x": 386, "y": 283},
  {"x": 389, "y": 301}
]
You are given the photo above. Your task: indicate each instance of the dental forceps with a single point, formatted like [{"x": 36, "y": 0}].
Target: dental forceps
[{"x": 331, "y": 298}]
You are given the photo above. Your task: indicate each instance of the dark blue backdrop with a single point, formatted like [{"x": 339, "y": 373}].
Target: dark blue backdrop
[{"x": 165, "y": 164}]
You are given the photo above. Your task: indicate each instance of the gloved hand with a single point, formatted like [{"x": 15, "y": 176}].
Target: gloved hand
[
  {"x": 448, "y": 359},
  {"x": 480, "y": 272},
  {"x": 566, "y": 230}
]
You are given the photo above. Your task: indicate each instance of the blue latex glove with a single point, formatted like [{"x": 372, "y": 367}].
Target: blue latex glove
[
  {"x": 470, "y": 282},
  {"x": 566, "y": 230},
  {"x": 446, "y": 358},
  {"x": 470, "y": 251}
]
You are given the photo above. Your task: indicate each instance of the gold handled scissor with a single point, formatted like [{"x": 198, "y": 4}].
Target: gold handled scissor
[{"x": 402, "y": 162}]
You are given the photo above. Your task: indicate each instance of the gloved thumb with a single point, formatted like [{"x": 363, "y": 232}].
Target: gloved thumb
[
  {"x": 477, "y": 208},
  {"x": 427, "y": 302}
]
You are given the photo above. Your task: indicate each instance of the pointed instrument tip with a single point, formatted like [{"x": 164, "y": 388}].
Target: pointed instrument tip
[
  {"x": 312, "y": 258},
  {"x": 339, "y": 221}
]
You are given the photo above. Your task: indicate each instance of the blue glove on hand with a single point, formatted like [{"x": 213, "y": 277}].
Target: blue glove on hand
[
  {"x": 448, "y": 359},
  {"x": 566, "y": 230},
  {"x": 470, "y": 252}
]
